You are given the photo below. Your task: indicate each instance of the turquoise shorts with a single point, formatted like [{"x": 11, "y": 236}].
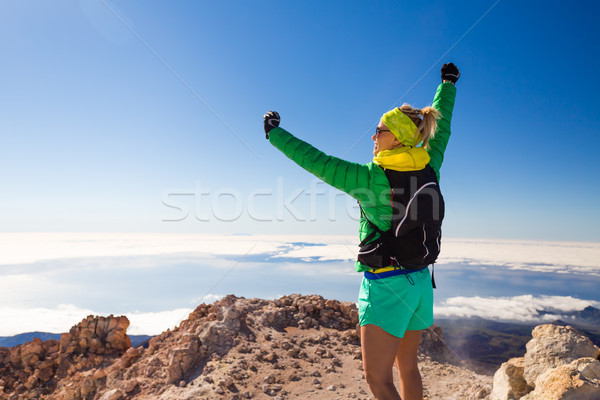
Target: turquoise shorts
[{"x": 398, "y": 303}]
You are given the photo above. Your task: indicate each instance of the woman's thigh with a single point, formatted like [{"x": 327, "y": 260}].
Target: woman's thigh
[
  {"x": 379, "y": 350},
  {"x": 408, "y": 349}
]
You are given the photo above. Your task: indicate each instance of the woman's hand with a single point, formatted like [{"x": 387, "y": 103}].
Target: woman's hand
[
  {"x": 450, "y": 73},
  {"x": 271, "y": 120}
]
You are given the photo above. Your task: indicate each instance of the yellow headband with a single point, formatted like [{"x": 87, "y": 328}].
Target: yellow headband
[{"x": 402, "y": 127}]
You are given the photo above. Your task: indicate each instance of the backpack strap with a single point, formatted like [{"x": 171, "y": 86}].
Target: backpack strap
[{"x": 375, "y": 229}]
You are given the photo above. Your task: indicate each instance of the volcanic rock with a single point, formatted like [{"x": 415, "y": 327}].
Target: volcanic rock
[
  {"x": 559, "y": 364},
  {"x": 235, "y": 348},
  {"x": 509, "y": 383},
  {"x": 553, "y": 346}
]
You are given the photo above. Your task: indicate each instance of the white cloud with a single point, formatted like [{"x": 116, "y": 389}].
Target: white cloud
[
  {"x": 24, "y": 248},
  {"x": 57, "y": 320},
  {"x": 154, "y": 323},
  {"x": 207, "y": 299},
  {"x": 63, "y": 317},
  {"x": 346, "y": 251},
  {"x": 525, "y": 308},
  {"x": 541, "y": 256}
]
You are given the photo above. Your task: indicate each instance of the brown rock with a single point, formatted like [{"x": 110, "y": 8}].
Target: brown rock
[
  {"x": 129, "y": 386},
  {"x": 14, "y": 357},
  {"x": 32, "y": 352},
  {"x": 31, "y": 382},
  {"x": 64, "y": 343},
  {"x": 130, "y": 356},
  {"x": 117, "y": 336},
  {"x": 553, "y": 346},
  {"x": 87, "y": 387},
  {"x": 113, "y": 394},
  {"x": 45, "y": 374},
  {"x": 183, "y": 358},
  {"x": 509, "y": 383},
  {"x": 579, "y": 380}
]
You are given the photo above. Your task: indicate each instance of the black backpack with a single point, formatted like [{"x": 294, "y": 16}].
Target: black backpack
[{"x": 413, "y": 241}]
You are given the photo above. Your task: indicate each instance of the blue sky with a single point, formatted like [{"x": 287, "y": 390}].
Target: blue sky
[{"x": 101, "y": 124}]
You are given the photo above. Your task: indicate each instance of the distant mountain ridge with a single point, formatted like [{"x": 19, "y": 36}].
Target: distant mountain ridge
[
  {"x": 589, "y": 315},
  {"x": 10, "y": 341},
  {"x": 22, "y": 338}
]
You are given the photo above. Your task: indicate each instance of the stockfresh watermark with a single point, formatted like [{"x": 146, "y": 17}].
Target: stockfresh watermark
[
  {"x": 285, "y": 201},
  {"x": 281, "y": 202}
]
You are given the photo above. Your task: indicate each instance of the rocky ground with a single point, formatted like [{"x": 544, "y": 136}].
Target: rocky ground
[
  {"x": 560, "y": 364},
  {"x": 312, "y": 364},
  {"x": 293, "y": 347}
]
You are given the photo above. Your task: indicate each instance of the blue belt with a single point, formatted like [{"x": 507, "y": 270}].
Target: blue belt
[{"x": 394, "y": 272}]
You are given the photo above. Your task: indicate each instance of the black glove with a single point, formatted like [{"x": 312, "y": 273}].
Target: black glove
[
  {"x": 450, "y": 73},
  {"x": 272, "y": 120}
]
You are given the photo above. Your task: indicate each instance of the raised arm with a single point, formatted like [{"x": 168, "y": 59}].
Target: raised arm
[
  {"x": 346, "y": 176},
  {"x": 444, "y": 103}
]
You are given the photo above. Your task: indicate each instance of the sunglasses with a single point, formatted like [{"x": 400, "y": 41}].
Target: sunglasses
[{"x": 378, "y": 131}]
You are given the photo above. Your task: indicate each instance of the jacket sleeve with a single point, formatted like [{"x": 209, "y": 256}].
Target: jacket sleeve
[
  {"x": 346, "y": 176},
  {"x": 444, "y": 103}
]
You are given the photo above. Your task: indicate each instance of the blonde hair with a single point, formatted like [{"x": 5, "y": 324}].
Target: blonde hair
[{"x": 426, "y": 125}]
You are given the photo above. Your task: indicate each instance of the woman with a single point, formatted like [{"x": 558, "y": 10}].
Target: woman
[{"x": 397, "y": 242}]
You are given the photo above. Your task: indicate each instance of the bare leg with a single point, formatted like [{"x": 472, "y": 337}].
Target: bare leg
[
  {"x": 379, "y": 350},
  {"x": 411, "y": 386}
]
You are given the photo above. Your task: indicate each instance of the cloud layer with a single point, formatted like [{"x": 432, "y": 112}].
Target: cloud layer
[
  {"x": 560, "y": 257},
  {"x": 24, "y": 248},
  {"x": 541, "y": 256},
  {"x": 526, "y": 308},
  {"x": 49, "y": 282}
]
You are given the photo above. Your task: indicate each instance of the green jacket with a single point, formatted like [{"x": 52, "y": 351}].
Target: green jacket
[{"x": 367, "y": 183}]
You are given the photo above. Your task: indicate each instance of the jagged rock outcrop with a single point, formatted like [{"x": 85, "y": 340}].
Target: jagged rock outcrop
[
  {"x": 98, "y": 335},
  {"x": 33, "y": 369},
  {"x": 553, "y": 346},
  {"x": 509, "y": 383},
  {"x": 559, "y": 364},
  {"x": 236, "y": 348},
  {"x": 579, "y": 380}
]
